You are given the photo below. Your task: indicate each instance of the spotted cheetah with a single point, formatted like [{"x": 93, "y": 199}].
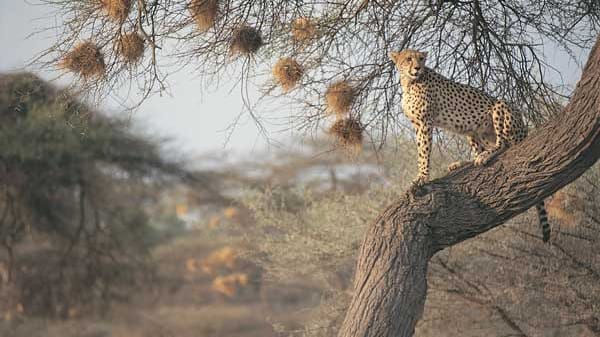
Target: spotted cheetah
[{"x": 431, "y": 100}]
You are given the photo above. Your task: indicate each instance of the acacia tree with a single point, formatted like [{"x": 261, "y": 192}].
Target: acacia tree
[
  {"x": 495, "y": 45},
  {"x": 72, "y": 232},
  {"x": 390, "y": 282}
]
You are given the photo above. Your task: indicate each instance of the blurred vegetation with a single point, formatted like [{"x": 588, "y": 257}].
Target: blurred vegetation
[
  {"x": 72, "y": 225},
  {"x": 503, "y": 283},
  {"x": 102, "y": 236}
]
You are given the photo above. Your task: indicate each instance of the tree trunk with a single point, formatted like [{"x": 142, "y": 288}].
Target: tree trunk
[{"x": 390, "y": 283}]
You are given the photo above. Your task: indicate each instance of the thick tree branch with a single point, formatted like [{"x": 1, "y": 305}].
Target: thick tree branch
[{"x": 390, "y": 281}]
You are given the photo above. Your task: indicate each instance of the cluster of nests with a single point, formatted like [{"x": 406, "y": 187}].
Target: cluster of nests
[
  {"x": 87, "y": 60},
  {"x": 245, "y": 39},
  {"x": 346, "y": 129},
  {"x": 287, "y": 71}
]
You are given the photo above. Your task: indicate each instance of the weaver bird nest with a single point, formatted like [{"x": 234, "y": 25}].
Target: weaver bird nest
[
  {"x": 339, "y": 97},
  {"x": 85, "y": 59},
  {"x": 204, "y": 13},
  {"x": 303, "y": 29},
  {"x": 117, "y": 10},
  {"x": 131, "y": 47},
  {"x": 287, "y": 73},
  {"x": 348, "y": 132},
  {"x": 246, "y": 40}
]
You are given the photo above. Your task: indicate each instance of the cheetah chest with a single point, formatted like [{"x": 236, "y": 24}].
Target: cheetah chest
[{"x": 416, "y": 104}]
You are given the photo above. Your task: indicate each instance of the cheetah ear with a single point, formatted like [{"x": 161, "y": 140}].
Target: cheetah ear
[{"x": 394, "y": 55}]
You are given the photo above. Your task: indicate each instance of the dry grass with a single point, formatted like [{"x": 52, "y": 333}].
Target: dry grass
[
  {"x": 287, "y": 73},
  {"x": 131, "y": 47},
  {"x": 181, "y": 306},
  {"x": 246, "y": 40},
  {"x": 214, "y": 221},
  {"x": 232, "y": 214},
  {"x": 349, "y": 134},
  {"x": 86, "y": 60},
  {"x": 303, "y": 30},
  {"x": 339, "y": 97},
  {"x": 215, "y": 320},
  {"x": 204, "y": 13},
  {"x": 117, "y": 10}
]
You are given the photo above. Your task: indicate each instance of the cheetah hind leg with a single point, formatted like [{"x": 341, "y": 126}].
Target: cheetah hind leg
[
  {"x": 499, "y": 114},
  {"x": 484, "y": 157}
]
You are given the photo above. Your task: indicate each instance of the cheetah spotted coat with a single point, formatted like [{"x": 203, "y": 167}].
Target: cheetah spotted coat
[{"x": 431, "y": 100}]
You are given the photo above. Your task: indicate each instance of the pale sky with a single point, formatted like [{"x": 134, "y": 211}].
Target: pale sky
[{"x": 195, "y": 122}]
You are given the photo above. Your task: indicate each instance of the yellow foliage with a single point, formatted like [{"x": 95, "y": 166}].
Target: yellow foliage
[
  {"x": 181, "y": 210},
  {"x": 191, "y": 265},
  {"x": 225, "y": 257},
  {"x": 230, "y": 285},
  {"x": 231, "y": 213}
]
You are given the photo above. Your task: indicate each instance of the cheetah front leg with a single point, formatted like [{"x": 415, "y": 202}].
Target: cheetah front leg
[
  {"x": 424, "y": 150},
  {"x": 476, "y": 149}
]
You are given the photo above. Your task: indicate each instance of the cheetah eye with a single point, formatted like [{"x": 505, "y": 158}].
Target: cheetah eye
[
  {"x": 409, "y": 59},
  {"x": 421, "y": 58}
]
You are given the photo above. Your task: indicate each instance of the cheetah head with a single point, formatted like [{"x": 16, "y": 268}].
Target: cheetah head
[{"x": 410, "y": 62}]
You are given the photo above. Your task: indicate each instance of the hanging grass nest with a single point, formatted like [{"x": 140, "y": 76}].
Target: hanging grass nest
[
  {"x": 246, "y": 40},
  {"x": 348, "y": 132},
  {"x": 117, "y": 10},
  {"x": 85, "y": 59},
  {"x": 303, "y": 29},
  {"x": 131, "y": 47},
  {"x": 204, "y": 13},
  {"x": 339, "y": 97},
  {"x": 287, "y": 72}
]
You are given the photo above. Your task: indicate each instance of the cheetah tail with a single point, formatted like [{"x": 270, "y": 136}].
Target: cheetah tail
[{"x": 543, "y": 217}]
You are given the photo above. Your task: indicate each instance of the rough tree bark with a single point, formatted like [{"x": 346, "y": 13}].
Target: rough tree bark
[{"x": 390, "y": 282}]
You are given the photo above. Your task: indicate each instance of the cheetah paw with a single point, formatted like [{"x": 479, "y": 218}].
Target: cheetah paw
[
  {"x": 456, "y": 165},
  {"x": 484, "y": 157},
  {"x": 417, "y": 183}
]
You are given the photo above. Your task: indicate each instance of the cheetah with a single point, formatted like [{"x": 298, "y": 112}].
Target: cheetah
[{"x": 431, "y": 100}]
